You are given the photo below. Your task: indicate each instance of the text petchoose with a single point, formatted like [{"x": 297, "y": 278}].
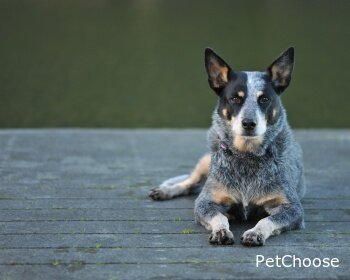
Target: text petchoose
[{"x": 293, "y": 261}]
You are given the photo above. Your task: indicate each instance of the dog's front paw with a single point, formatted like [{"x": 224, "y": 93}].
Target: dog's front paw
[
  {"x": 158, "y": 194},
  {"x": 221, "y": 237},
  {"x": 252, "y": 238}
]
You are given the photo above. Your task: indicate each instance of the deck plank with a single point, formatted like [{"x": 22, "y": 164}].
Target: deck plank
[
  {"x": 145, "y": 214},
  {"x": 73, "y": 205}
]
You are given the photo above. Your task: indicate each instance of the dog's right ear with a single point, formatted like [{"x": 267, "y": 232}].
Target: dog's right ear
[{"x": 217, "y": 69}]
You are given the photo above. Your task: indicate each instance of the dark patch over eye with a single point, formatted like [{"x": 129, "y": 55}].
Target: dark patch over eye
[
  {"x": 236, "y": 99},
  {"x": 263, "y": 99}
]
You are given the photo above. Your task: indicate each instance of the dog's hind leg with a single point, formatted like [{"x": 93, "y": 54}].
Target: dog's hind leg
[{"x": 182, "y": 185}]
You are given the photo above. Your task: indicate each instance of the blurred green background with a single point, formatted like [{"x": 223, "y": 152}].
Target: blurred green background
[{"x": 140, "y": 63}]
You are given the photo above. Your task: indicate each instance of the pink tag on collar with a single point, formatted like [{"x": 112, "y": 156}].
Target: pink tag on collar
[{"x": 223, "y": 146}]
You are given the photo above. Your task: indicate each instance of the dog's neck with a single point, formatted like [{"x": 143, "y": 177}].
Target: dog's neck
[{"x": 223, "y": 146}]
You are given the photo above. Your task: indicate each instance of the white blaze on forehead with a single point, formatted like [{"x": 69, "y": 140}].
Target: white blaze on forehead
[
  {"x": 255, "y": 87},
  {"x": 255, "y": 82},
  {"x": 250, "y": 108}
]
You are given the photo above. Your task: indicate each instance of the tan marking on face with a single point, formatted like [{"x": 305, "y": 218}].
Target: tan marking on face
[
  {"x": 201, "y": 170},
  {"x": 245, "y": 144},
  {"x": 241, "y": 94},
  {"x": 224, "y": 112},
  {"x": 271, "y": 200},
  {"x": 259, "y": 93},
  {"x": 274, "y": 112}
]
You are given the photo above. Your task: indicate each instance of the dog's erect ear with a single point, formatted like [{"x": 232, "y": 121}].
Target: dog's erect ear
[
  {"x": 217, "y": 69},
  {"x": 280, "y": 71}
]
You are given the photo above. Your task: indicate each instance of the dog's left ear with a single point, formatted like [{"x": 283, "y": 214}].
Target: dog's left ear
[
  {"x": 217, "y": 69},
  {"x": 280, "y": 71}
]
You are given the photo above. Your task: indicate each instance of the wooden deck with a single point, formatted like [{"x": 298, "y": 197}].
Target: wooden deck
[{"x": 74, "y": 205}]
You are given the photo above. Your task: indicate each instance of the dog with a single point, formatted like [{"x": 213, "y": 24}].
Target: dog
[{"x": 254, "y": 169}]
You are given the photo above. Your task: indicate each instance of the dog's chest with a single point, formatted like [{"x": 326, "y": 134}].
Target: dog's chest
[
  {"x": 244, "y": 182},
  {"x": 248, "y": 176},
  {"x": 241, "y": 204}
]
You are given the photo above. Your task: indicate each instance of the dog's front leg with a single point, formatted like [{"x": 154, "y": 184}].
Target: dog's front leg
[
  {"x": 207, "y": 213},
  {"x": 283, "y": 217}
]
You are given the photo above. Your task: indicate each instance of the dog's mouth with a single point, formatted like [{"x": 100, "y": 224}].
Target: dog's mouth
[
  {"x": 250, "y": 135},
  {"x": 248, "y": 143}
]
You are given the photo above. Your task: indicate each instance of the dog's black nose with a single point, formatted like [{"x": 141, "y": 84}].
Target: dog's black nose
[{"x": 248, "y": 124}]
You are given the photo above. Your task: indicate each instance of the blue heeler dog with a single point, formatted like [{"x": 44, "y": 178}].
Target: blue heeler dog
[{"x": 255, "y": 167}]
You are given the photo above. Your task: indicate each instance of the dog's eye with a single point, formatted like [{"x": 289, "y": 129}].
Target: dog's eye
[
  {"x": 236, "y": 99},
  {"x": 264, "y": 99}
]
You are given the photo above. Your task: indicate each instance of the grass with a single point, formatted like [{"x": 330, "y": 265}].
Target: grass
[
  {"x": 55, "y": 262},
  {"x": 6, "y": 198},
  {"x": 187, "y": 231}
]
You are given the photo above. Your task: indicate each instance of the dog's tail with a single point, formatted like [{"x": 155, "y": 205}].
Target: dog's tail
[{"x": 184, "y": 184}]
